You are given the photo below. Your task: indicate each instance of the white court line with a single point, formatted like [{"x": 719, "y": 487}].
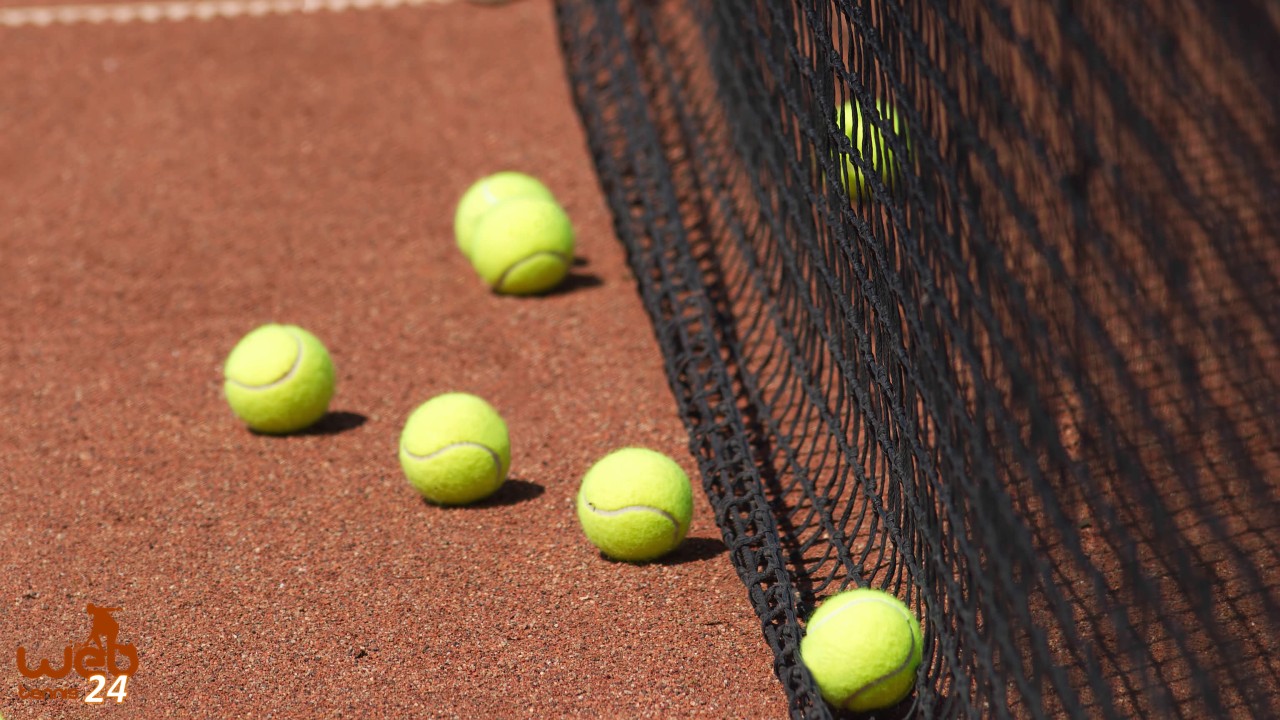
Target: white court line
[{"x": 150, "y": 12}]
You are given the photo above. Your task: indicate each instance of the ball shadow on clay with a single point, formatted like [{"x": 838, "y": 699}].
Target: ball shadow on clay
[
  {"x": 513, "y": 492},
  {"x": 332, "y": 423},
  {"x": 693, "y": 549}
]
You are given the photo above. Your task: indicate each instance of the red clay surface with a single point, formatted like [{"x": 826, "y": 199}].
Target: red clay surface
[{"x": 165, "y": 188}]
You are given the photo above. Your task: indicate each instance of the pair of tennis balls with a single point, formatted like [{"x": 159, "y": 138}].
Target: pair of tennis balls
[
  {"x": 454, "y": 449},
  {"x": 634, "y": 504},
  {"x": 514, "y": 232}
]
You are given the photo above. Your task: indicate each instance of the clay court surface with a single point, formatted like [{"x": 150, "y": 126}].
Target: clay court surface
[{"x": 165, "y": 187}]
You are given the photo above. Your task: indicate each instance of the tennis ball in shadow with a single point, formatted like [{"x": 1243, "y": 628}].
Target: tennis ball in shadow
[
  {"x": 870, "y": 144},
  {"x": 862, "y": 648}
]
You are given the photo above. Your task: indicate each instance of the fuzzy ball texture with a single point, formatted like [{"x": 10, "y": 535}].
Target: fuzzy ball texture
[
  {"x": 524, "y": 246},
  {"x": 635, "y": 505},
  {"x": 486, "y": 194},
  {"x": 862, "y": 648},
  {"x": 455, "y": 449},
  {"x": 279, "y": 379},
  {"x": 869, "y": 142}
]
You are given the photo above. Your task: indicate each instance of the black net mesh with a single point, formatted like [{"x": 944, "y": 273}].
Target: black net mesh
[{"x": 1024, "y": 376}]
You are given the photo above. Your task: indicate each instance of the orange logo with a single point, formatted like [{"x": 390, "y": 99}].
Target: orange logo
[{"x": 94, "y": 659}]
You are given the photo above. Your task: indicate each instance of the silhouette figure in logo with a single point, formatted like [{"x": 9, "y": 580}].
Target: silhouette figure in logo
[
  {"x": 101, "y": 649},
  {"x": 105, "y": 629}
]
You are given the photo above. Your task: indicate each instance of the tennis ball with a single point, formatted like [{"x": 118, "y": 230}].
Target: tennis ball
[
  {"x": 486, "y": 194},
  {"x": 455, "y": 450},
  {"x": 523, "y": 246},
  {"x": 635, "y": 505},
  {"x": 862, "y": 648},
  {"x": 867, "y": 139},
  {"x": 279, "y": 379}
]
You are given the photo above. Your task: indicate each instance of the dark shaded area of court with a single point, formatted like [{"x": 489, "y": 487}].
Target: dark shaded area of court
[{"x": 1031, "y": 385}]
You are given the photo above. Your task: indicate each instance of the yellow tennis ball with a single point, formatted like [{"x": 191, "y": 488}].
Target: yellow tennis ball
[
  {"x": 523, "y": 246},
  {"x": 486, "y": 194},
  {"x": 455, "y": 450},
  {"x": 862, "y": 648},
  {"x": 279, "y": 379},
  {"x": 635, "y": 505},
  {"x": 869, "y": 142}
]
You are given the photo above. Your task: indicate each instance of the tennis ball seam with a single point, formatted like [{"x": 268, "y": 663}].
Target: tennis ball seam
[
  {"x": 502, "y": 279},
  {"x": 497, "y": 461},
  {"x": 293, "y": 369},
  {"x": 675, "y": 525},
  {"x": 906, "y": 660}
]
